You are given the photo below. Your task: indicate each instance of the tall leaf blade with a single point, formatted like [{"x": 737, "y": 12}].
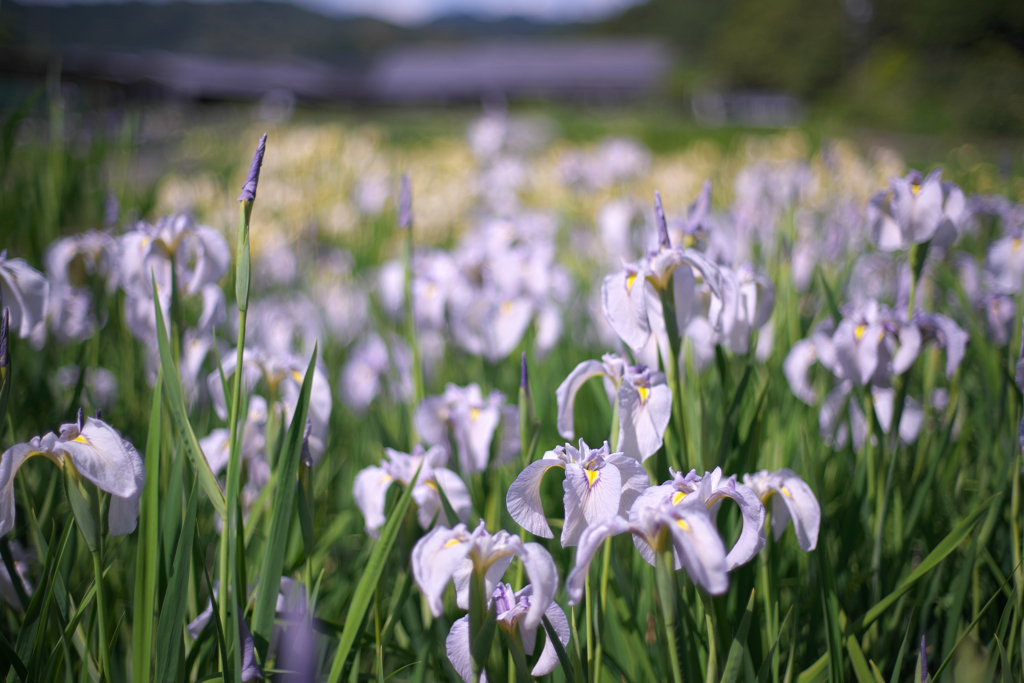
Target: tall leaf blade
[
  {"x": 168, "y": 630},
  {"x": 368, "y": 581},
  {"x": 734, "y": 661},
  {"x": 280, "y": 520},
  {"x": 176, "y": 405},
  {"x": 148, "y": 556}
]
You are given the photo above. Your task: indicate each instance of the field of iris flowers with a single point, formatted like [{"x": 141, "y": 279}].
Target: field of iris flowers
[{"x": 491, "y": 401}]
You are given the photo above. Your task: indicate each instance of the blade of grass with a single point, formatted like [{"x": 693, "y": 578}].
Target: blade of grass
[
  {"x": 368, "y": 581},
  {"x": 903, "y": 648},
  {"x": 734, "y": 660},
  {"x": 148, "y": 551},
  {"x": 967, "y": 631},
  {"x": 766, "y": 666},
  {"x": 169, "y": 631},
  {"x": 860, "y": 664}
]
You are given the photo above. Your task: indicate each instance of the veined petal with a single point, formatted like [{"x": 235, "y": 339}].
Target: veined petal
[
  {"x": 11, "y": 460},
  {"x": 796, "y": 500},
  {"x": 457, "y": 646},
  {"x": 462, "y": 573},
  {"x": 796, "y": 368},
  {"x": 566, "y": 393},
  {"x": 634, "y": 478},
  {"x": 590, "y": 496},
  {"x": 435, "y": 557},
  {"x": 370, "y": 491},
  {"x": 623, "y": 304},
  {"x": 544, "y": 579},
  {"x": 590, "y": 541},
  {"x": 548, "y": 659},
  {"x": 124, "y": 512},
  {"x": 642, "y": 422},
  {"x": 699, "y": 547},
  {"x": 752, "y": 512},
  {"x": 523, "y": 499},
  {"x": 910, "y": 346},
  {"x": 103, "y": 457}
]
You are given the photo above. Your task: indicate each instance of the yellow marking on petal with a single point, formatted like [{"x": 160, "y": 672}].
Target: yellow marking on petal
[
  {"x": 591, "y": 476},
  {"x": 1016, "y": 244},
  {"x": 452, "y": 542},
  {"x": 785, "y": 492},
  {"x": 644, "y": 393},
  {"x": 915, "y": 188},
  {"x": 506, "y": 308},
  {"x": 145, "y": 242},
  {"x": 431, "y": 485},
  {"x": 474, "y": 414},
  {"x": 297, "y": 377},
  {"x": 677, "y": 497},
  {"x": 80, "y": 439},
  {"x": 629, "y": 283},
  {"x": 859, "y": 332},
  {"x": 688, "y": 241},
  {"x": 683, "y": 525}
]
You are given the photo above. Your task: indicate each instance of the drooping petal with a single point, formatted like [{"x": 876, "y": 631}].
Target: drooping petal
[
  {"x": 370, "y": 491},
  {"x": 540, "y": 567},
  {"x": 548, "y": 659},
  {"x": 623, "y": 304},
  {"x": 103, "y": 457},
  {"x": 910, "y": 421},
  {"x": 699, "y": 547},
  {"x": 566, "y": 393},
  {"x": 796, "y": 368},
  {"x": 250, "y": 669},
  {"x": 634, "y": 478},
  {"x": 590, "y": 542},
  {"x": 11, "y": 460},
  {"x": 457, "y": 646},
  {"x": 523, "y": 499},
  {"x": 796, "y": 500},
  {"x": 435, "y": 557},
  {"x": 642, "y": 421},
  {"x": 832, "y": 411},
  {"x": 590, "y": 497},
  {"x": 752, "y": 512},
  {"x": 910, "y": 346},
  {"x": 124, "y": 512}
]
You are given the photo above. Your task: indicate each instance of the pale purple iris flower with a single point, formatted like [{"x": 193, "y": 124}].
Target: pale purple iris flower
[
  {"x": 792, "y": 499},
  {"x": 473, "y": 420},
  {"x": 610, "y": 368},
  {"x": 598, "y": 484},
  {"x": 645, "y": 407},
  {"x": 98, "y": 453},
  {"x": 658, "y": 526},
  {"x": 915, "y": 210},
  {"x": 372, "y": 484},
  {"x": 25, "y": 291},
  {"x": 375, "y": 367},
  {"x": 510, "y": 607},
  {"x": 446, "y": 555},
  {"x": 711, "y": 489},
  {"x": 74, "y": 266}
]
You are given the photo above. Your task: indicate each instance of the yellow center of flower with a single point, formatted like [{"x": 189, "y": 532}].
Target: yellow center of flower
[
  {"x": 683, "y": 525},
  {"x": 644, "y": 393},
  {"x": 785, "y": 492},
  {"x": 915, "y": 188},
  {"x": 677, "y": 497},
  {"x": 80, "y": 439},
  {"x": 452, "y": 542},
  {"x": 591, "y": 477},
  {"x": 859, "y": 332},
  {"x": 629, "y": 283}
]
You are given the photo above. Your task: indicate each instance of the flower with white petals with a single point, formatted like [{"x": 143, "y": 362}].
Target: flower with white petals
[
  {"x": 25, "y": 291},
  {"x": 473, "y": 419},
  {"x": 445, "y": 555},
  {"x": 658, "y": 526},
  {"x": 914, "y": 210},
  {"x": 510, "y": 608},
  {"x": 645, "y": 406},
  {"x": 795, "y": 501},
  {"x": 98, "y": 453},
  {"x": 372, "y": 484},
  {"x": 598, "y": 485},
  {"x": 611, "y": 368}
]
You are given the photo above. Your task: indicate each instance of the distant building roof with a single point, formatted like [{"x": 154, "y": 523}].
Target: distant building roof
[{"x": 552, "y": 69}]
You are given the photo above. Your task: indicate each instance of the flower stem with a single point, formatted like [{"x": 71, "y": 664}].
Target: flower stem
[
  {"x": 668, "y": 308},
  {"x": 664, "y": 566},
  {"x": 606, "y": 555},
  {"x": 589, "y": 618},
  {"x": 101, "y": 600}
]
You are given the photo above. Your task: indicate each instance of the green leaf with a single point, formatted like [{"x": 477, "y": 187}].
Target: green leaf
[
  {"x": 168, "y": 630},
  {"x": 903, "y": 648},
  {"x": 148, "y": 550},
  {"x": 860, "y": 665},
  {"x": 944, "y": 548},
  {"x": 766, "y": 666},
  {"x": 563, "y": 657},
  {"x": 734, "y": 660},
  {"x": 81, "y": 510},
  {"x": 830, "y": 608},
  {"x": 280, "y": 520},
  {"x": 176, "y": 406},
  {"x": 9, "y": 658},
  {"x": 368, "y": 581},
  {"x": 816, "y": 672}
]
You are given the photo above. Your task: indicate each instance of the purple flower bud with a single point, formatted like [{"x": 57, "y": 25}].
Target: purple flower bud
[
  {"x": 659, "y": 217},
  {"x": 249, "y": 189},
  {"x": 81, "y": 420},
  {"x": 524, "y": 375},
  {"x": 5, "y": 351},
  {"x": 405, "y": 204},
  {"x": 924, "y": 661}
]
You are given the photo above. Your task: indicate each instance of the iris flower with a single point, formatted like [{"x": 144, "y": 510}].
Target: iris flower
[
  {"x": 794, "y": 501},
  {"x": 598, "y": 485},
  {"x": 711, "y": 489},
  {"x": 98, "y": 453},
  {"x": 445, "y": 555},
  {"x": 71, "y": 263},
  {"x": 914, "y": 210},
  {"x": 510, "y": 607},
  {"x": 473, "y": 420},
  {"x": 25, "y": 291},
  {"x": 657, "y": 526},
  {"x": 372, "y": 484}
]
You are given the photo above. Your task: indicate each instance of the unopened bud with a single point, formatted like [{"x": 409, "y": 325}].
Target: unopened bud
[
  {"x": 524, "y": 375},
  {"x": 249, "y": 189},
  {"x": 5, "y": 349},
  {"x": 659, "y": 217}
]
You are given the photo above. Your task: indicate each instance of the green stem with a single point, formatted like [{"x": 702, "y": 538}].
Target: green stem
[
  {"x": 606, "y": 556},
  {"x": 101, "y": 600},
  {"x": 615, "y": 426},
  {"x": 668, "y": 308},
  {"x": 589, "y": 618},
  {"x": 410, "y": 322},
  {"x": 664, "y": 566},
  {"x": 517, "y": 661},
  {"x": 477, "y": 617}
]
